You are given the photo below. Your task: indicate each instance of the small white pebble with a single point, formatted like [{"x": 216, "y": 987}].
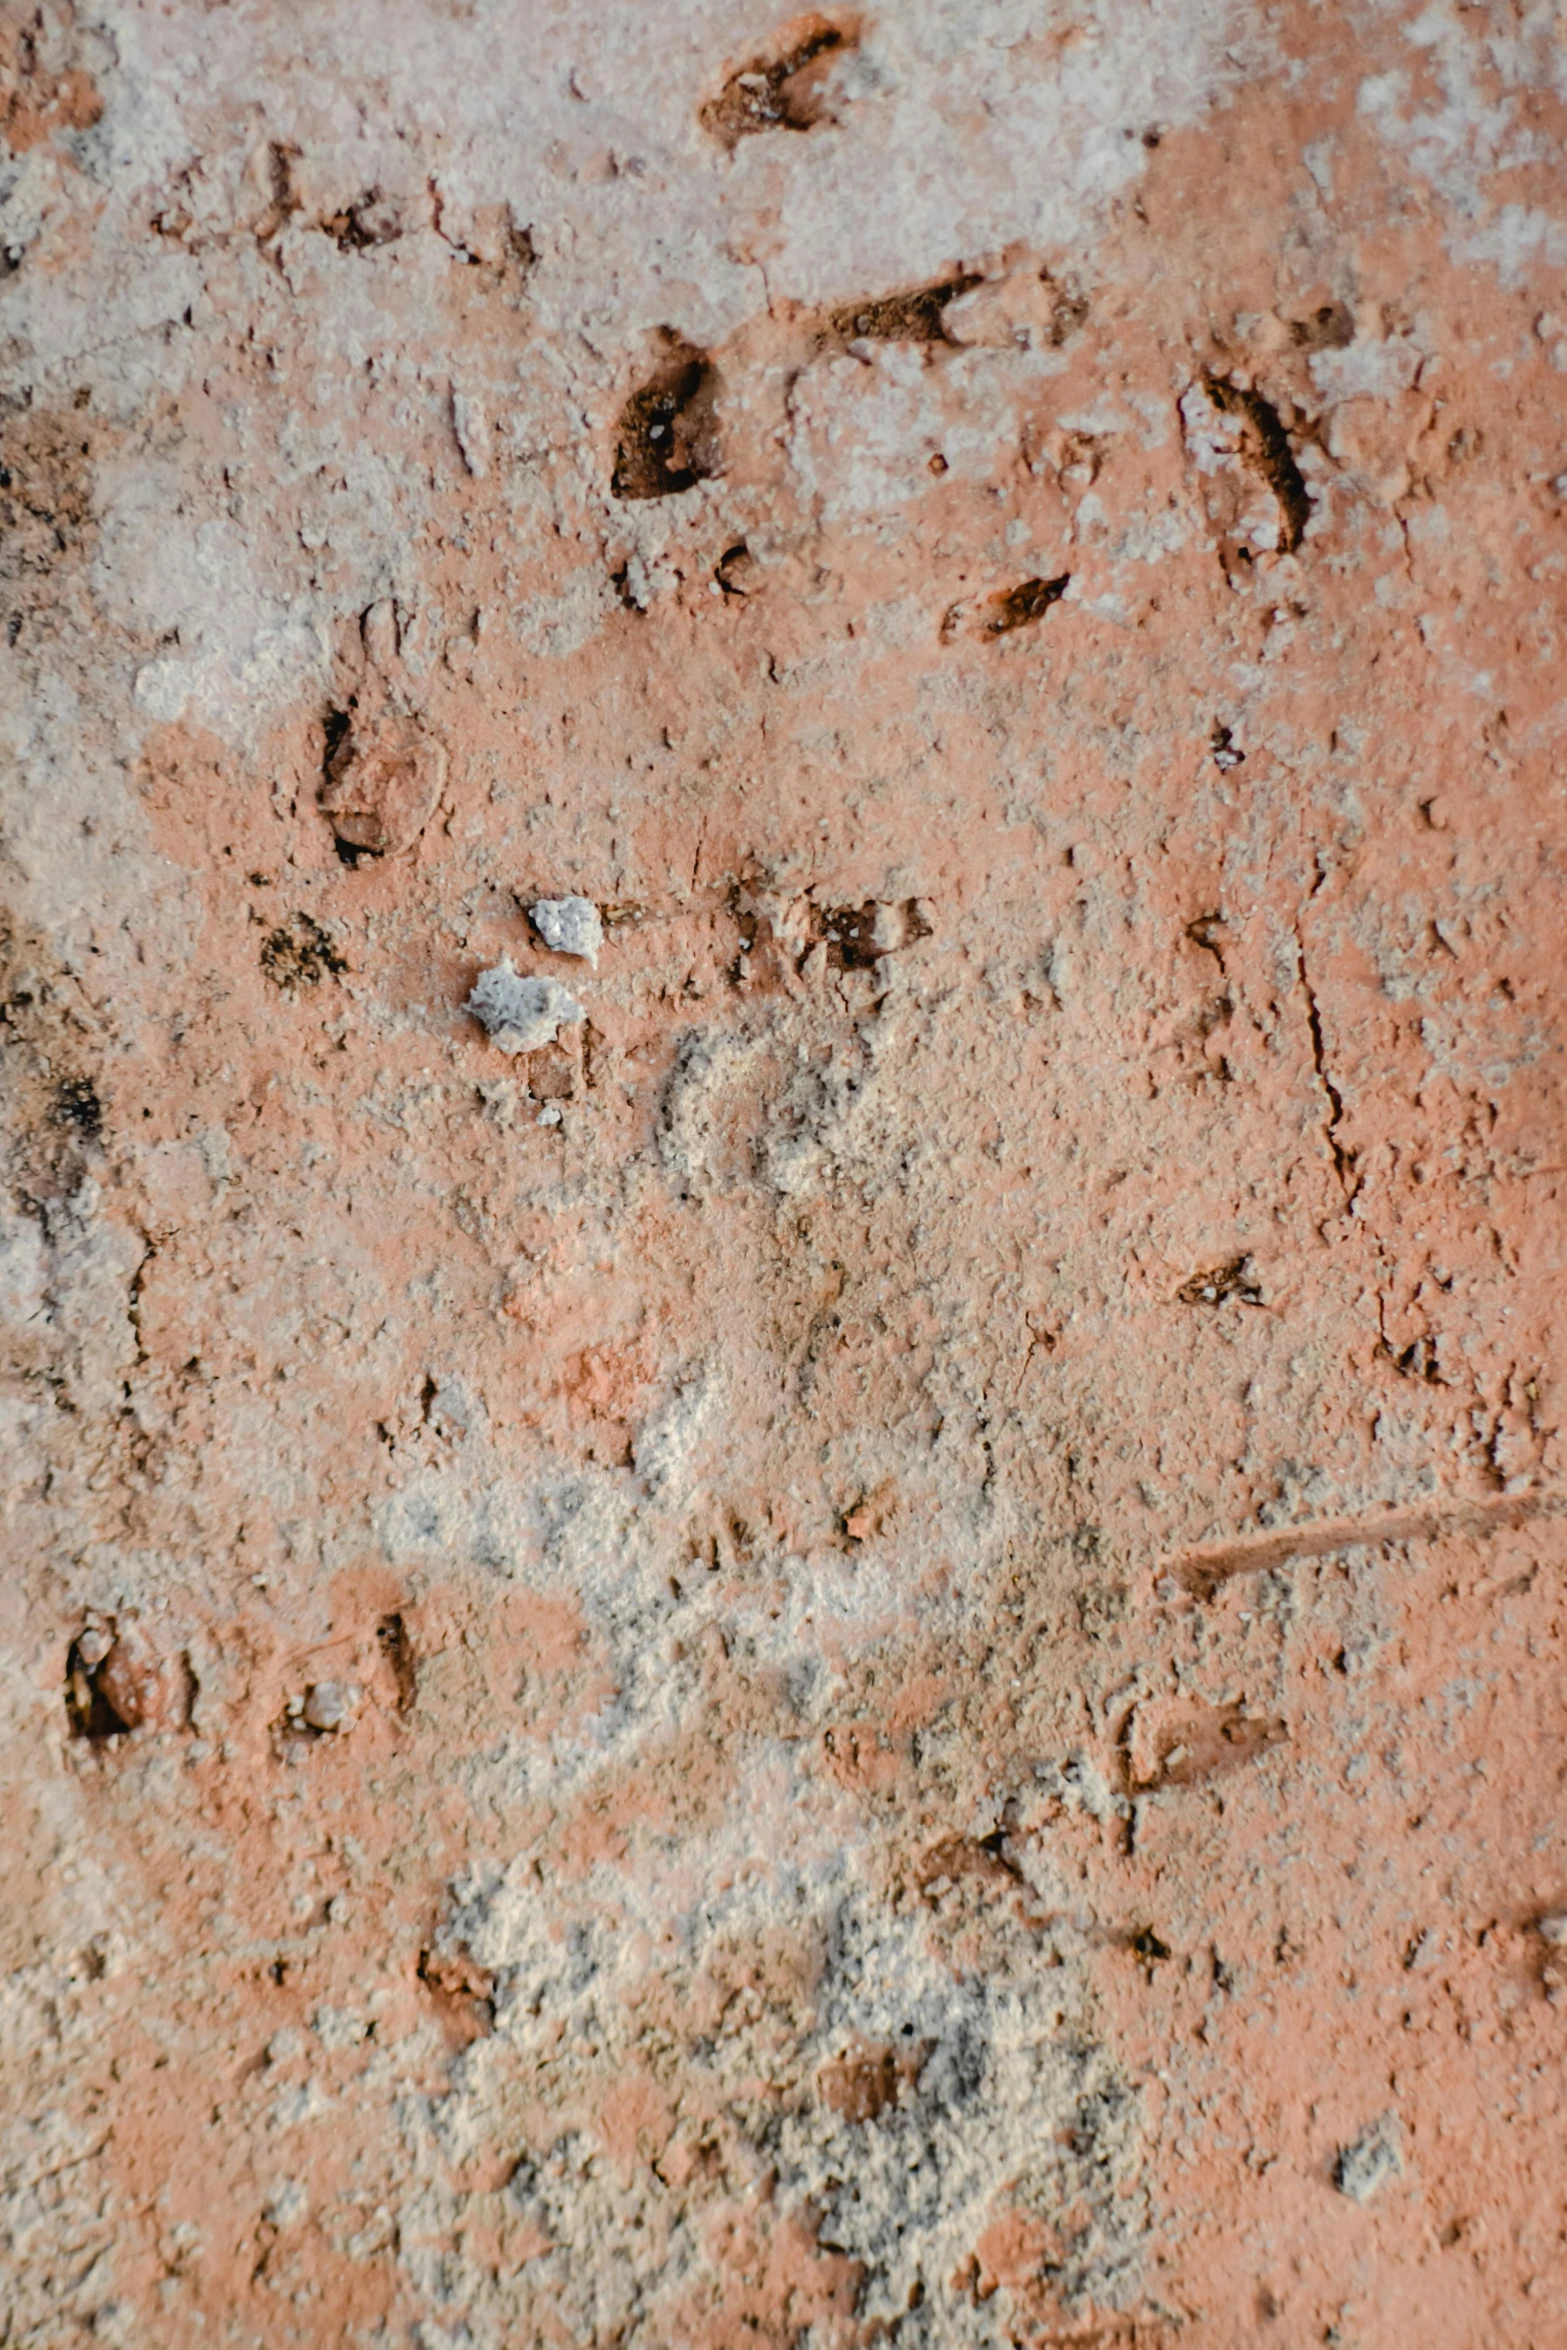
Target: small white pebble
[
  {"x": 550, "y": 1115},
  {"x": 331, "y": 1705},
  {"x": 1554, "y": 1929},
  {"x": 1373, "y": 2159},
  {"x": 570, "y": 925},
  {"x": 520, "y": 1014}
]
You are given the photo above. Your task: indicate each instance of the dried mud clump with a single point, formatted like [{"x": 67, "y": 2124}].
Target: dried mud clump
[{"x": 384, "y": 779}]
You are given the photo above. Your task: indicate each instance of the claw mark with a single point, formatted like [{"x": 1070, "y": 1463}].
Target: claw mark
[
  {"x": 1343, "y": 1160},
  {"x": 1208, "y": 1565},
  {"x": 1266, "y": 452}
]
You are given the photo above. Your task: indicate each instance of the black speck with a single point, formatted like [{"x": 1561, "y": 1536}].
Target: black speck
[{"x": 76, "y": 1104}]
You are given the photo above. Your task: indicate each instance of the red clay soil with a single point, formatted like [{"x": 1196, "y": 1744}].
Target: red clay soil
[{"x": 852, "y": 1633}]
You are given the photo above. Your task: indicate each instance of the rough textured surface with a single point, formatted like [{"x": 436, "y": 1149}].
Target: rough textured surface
[{"x": 871, "y": 1651}]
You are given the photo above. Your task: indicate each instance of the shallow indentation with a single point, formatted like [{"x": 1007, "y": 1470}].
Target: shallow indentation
[
  {"x": 910, "y": 315},
  {"x": 783, "y": 88},
  {"x": 668, "y": 439}
]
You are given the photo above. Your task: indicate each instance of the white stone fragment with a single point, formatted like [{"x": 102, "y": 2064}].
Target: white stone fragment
[
  {"x": 331, "y": 1705},
  {"x": 521, "y": 1014},
  {"x": 1373, "y": 2159},
  {"x": 570, "y": 925}
]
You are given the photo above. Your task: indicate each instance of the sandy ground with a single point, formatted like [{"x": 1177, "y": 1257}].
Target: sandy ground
[{"x": 848, "y": 1629}]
